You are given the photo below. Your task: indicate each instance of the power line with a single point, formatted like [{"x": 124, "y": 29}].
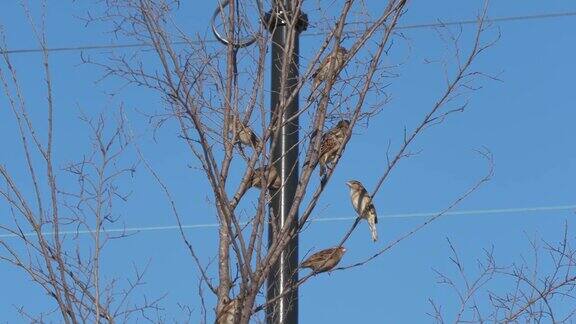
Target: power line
[
  {"x": 326, "y": 219},
  {"x": 500, "y": 19},
  {"x": 413, "y": 26}
]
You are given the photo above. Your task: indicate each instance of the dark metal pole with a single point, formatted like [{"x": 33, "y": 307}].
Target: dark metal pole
[{"x": 285, "y": 154}]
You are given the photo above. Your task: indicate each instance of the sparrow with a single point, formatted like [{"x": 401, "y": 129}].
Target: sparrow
[
  {"x": 363, "y": 205},
  {"x": 331, "y": 142},
  {"x": 324, "y": 260},
  {"x": 228, "y": 312},
  {"x": 274, "y": 180},
  {"x": 328, "y": 67},
  {"x": 244, "y": 134}
]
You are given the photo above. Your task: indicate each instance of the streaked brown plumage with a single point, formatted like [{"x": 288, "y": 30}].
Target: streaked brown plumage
[
  {"x": 244, "y": 134},
  {"x": 228, "y": 313},
  {"x": 331, "y": 142},
  {"x": 329, "y": 67},
  {"x": 324, "y": 260},
  {"x": 363, "y": 205},
  {"x": 274, "y": 181}
]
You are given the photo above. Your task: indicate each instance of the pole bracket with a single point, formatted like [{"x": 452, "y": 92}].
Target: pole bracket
[{"x": 278, "y": 17}]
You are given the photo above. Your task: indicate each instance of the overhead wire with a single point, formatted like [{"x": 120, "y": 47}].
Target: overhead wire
[
  {"x": 127, "y": 230},
  {"x": 412, "y": 26}
]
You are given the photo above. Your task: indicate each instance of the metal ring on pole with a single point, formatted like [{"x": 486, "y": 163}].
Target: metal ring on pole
[{"x": 243, "y": 42}]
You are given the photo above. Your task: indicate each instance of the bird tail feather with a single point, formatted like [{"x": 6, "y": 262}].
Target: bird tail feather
[{"x": 373, "y": 231}]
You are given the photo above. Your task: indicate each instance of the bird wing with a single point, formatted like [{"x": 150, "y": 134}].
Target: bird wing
[
  {"x": 372, "y": 210},
  {"x": 254, "y": 140},
  {"x": 366, "y": 206},
  {"x": 323, "y": 66},
  {"x": 330, "y": 140},
  {"x": 328, "y": 143},
  {"x": 255, "y": 177},
  {"x": 317, "y": 257}
]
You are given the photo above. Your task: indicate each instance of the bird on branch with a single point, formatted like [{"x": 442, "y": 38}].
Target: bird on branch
[
  {"x": 329, "y": 68},
  {"x": 243, "y": 134},
  {"x": 274, "y": 180},
  {"x": 363, "y": 205},
  {"x": 331, "y": 142},
  {"x": 324, "y": 260}
]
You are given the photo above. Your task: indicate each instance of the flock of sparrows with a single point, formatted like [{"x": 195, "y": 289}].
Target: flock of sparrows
[{"x": 331, "y": 143}]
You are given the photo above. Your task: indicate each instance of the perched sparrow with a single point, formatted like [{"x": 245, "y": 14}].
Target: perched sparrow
[
  {"x": 228, "y": 312},
  {"x": 332, "y": 140},
  {"x": 324, "y": 260},
  {"x": 328, "y": 67},
  {"x": 363, "y": 205},
  {"x": 244, "y": 134},
  {"x": 274, "y": 180}
]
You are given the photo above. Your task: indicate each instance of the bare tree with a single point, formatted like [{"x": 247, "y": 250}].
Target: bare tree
[
  {"x": 538, "y": 288},
  {"x": 216, "y": 94},
  {"x": 216, "y": 97},
  {"x": 42, "y": 235}
]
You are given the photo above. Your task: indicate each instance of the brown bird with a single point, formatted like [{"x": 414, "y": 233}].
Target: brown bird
[
  {"x": 332, "y": 140},
  {"x": 324, "y": 260},
  {"x": 363, "y": 205},
  {"x": 227, "y": 314},
  {"x": 244, "y": 134},
  {"x": 328, "y": 68},
  {"x": 274, "y": 180}
]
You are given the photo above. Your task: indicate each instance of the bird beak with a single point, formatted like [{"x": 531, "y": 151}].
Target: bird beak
[{"x": 349, "y": 184}]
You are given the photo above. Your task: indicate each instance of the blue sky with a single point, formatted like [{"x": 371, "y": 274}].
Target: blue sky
[{"x": 526, "y": 120}]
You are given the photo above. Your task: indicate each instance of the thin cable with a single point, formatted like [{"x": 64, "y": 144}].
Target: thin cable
[
  {"x": 499, "y": 19},
  {"x": 414, "y": 26},
  {"x": 461, "y": 213},
  {"x": 327, "y": 219}
]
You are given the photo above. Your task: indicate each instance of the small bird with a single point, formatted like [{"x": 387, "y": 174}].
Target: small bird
[
  {"x": 328, "y": 68},
  {"x": 332, "y": 140},
  {"x": 244, "y": 134},
  {"x": 363, "y": 205},
  {"x": 324, "y": 260},
  {"x": 274, "y": 180},
  {"x": 227, "y": 314}
]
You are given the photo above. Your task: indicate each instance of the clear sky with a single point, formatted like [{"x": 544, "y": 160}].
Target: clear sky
[{"x": 526, "y": 120}]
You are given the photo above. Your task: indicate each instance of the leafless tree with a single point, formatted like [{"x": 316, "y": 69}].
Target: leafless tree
[
  {"x": 42, "y": 235},
  {"x": 216, "y": 97},
  {"x": 539, "y": 288}
]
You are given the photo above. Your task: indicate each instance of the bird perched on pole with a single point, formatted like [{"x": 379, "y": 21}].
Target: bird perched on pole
[
  {"x": 274, "y": 180},
  {"x": 243, "y": 134},
  {"x": 328, "y": 68},
  {"x": 324, "y": 260},
  {"x": 363, "y": 205},
  {"x": 331, "y": 142}
]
